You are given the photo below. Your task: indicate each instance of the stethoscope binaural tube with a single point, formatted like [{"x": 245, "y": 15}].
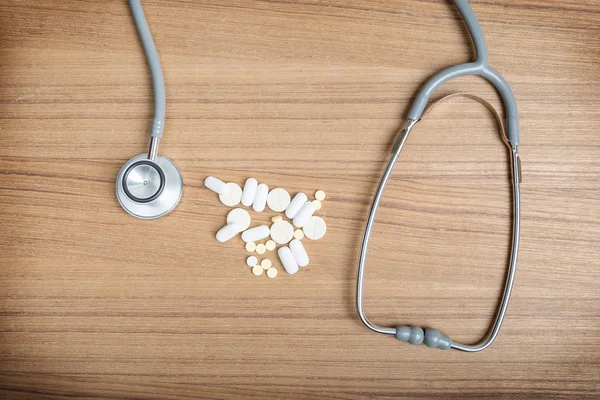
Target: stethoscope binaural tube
[
  {"x": 432, "y": 337},
  {"x": 149, "y": 185}
]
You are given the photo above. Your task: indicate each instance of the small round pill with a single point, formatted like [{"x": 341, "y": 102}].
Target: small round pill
[
  {"x": 282, "y": 232},
  {"x": 240, "y": 216},
  {"x": 266, "y": 263},
  {"x": 272, "y": 272},
  {"x": 320, "y": 195},
  {"x": 315, "y": 228},
  {"x": 271, "y": 245},
  {"x": 276, "y": 218},
  {"x": 250, "y": 247},
  {"x": 298, "y": 234},
  {"x": 251, "y": 261},
  {"x": 257, "y": 270},
  {"x": 317, "y": 204},
  {"x": 261, "y": 248},
  {"x": 233, "y": 196},
  {"x": 278, "y": 199}
]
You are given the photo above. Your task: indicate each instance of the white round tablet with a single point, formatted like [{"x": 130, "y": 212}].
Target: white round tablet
[
  {"x": 251, "y": 261},
  {"x": 239, "y": 215},
  {"x": 320, "y": 195},
  {"x": 272, "y": 272},
  {"x": 278, "y": 199},
  {"x": 282, "y": 232},
  {"x": 315, "y": 228},
  {"x": 234, "y": 196}
]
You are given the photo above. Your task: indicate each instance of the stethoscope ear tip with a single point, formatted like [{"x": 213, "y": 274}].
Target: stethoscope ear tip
[{"x": 149, "y": 189}]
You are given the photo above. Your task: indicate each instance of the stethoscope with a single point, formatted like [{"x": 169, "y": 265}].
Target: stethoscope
[
  {"x": 150, "y": 185},
  {"x": 432, "y": 337}
]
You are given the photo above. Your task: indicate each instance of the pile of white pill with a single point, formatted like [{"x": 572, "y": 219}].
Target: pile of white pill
[{"x": 288, "y": 235}]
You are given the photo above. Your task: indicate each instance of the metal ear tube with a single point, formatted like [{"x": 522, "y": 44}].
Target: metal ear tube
[{"x": 432, "y": 337}]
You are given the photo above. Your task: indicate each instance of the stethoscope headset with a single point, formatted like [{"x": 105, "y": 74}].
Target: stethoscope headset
[{"x": 149, "y": 185}]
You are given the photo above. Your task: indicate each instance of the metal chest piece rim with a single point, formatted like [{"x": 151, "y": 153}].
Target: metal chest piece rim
[{"x": 148, "y": 189}]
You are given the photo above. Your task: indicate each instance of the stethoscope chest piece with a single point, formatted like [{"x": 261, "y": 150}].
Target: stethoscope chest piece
[{"x": 149, "y": 189}]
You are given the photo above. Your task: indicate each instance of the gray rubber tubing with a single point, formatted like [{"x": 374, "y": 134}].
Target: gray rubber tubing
[
  {"x": 158, "y": 124},
  {"x": 479, "y": 67}
]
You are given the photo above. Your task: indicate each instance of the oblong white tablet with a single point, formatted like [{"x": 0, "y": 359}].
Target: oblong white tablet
[
  {"x": 256, "y": 233},
  {"x": 299, "y": 252},
  {"x": 278, "y": 199},
  {"x": 287, "y": 260},
  {"x": 249, "y": 191},
  {"x": 216, "y": 185},
  {"x": 233, "y": 196},
  {"x": 282, "y": 232},
  {"x": 295, "y": 205},
  {"x": 315, "y": 228},
  {"x": 305, "y": 212},
  {"x": 229, "y": 231},
  {"x": 239, "y": 215},
  {"x": 260, "y": 198}
]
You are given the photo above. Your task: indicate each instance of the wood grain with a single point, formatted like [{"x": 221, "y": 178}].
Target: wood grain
[{"x": 304, "y": 95}]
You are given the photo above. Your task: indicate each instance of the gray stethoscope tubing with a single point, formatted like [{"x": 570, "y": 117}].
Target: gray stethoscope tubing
[
  {"x": 432, "y": 337},
  {"x": 149, "y": 185}
]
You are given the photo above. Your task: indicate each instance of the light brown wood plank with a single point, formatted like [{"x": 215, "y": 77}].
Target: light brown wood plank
[{"x": 303, "y": 95}]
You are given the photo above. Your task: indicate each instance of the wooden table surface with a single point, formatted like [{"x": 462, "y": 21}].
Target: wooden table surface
[{"x": 303, "y": 95}]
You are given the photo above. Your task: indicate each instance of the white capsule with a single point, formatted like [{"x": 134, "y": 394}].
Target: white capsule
[
  {"x": 229, "y": 231},
  {"x": 249, "y": 191},
  {"x": 255, "y": 234},
  {"x": 302, "y": 216},
  {"x": 260, "y": 198},
  {"x": 287, "y": 260},
  {"x": 299, "y": 252},
  {"x": 216, "y": 185},
  {"x": 297, "y": 202}
]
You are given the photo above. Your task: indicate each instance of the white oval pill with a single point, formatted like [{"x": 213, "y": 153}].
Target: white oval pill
[
  {"x": 320, "y": 195},
  {"x": 282, "y": 232},
  {"x": 239, "y": 215},
  {"x": 251, "y": 261},
  {"x": 299, "y": 252},
  {"x": 315, "y": 228},
  {"x": 229, "y": 231},
  {"x": 256, "y": 233},
  {"x": 287, "y": 260},
  {"x": 305, "y": 212},
  {"x": 278, "y": 199},
  {"x": 249, "y": 191},
  {"x": 216, "y": 185},
  {"x": 233, "y": 197},
  {"x": 295, "y": 205},
  {"x": 260, "y": 198}
]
